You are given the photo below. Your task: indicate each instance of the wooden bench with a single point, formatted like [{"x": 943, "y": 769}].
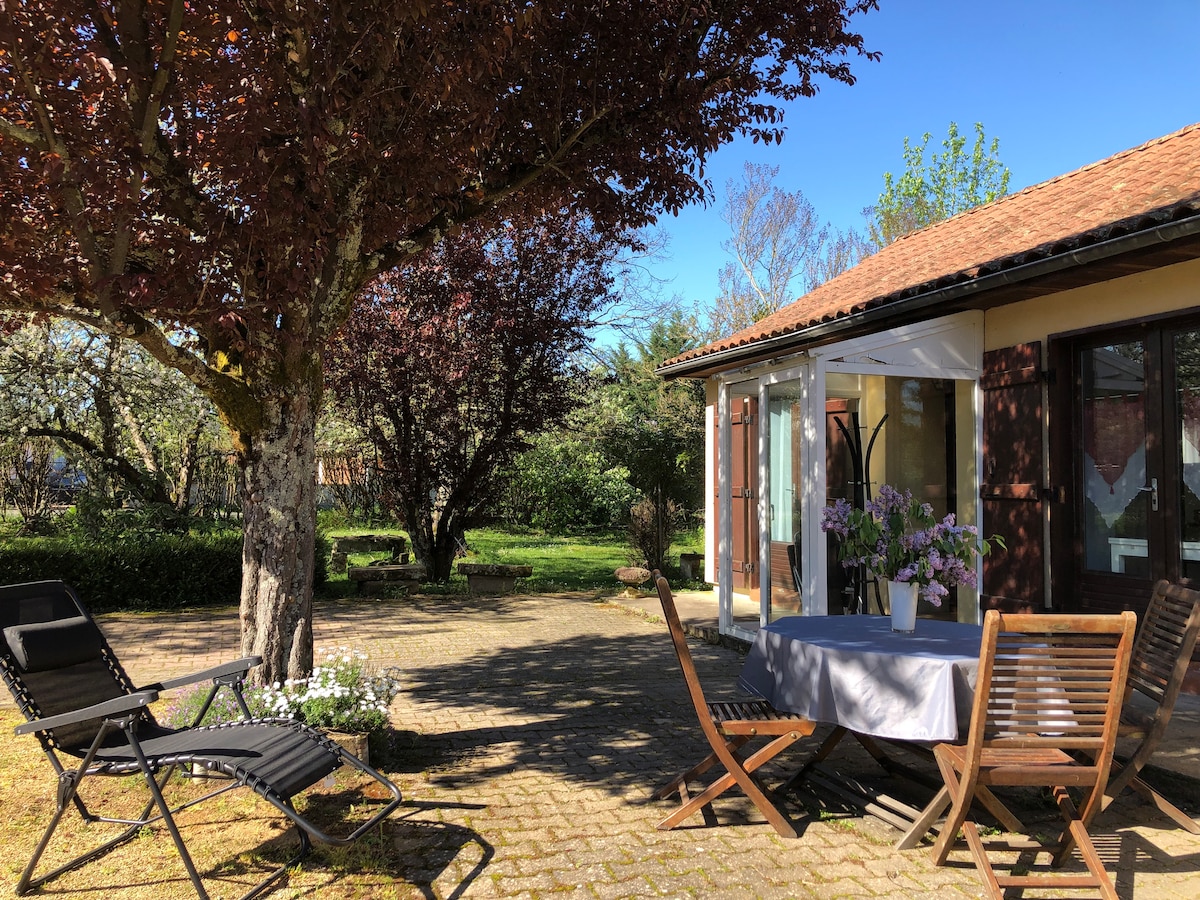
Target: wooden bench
[
  {"x": 366, "y": 543},
  {"x": 492, "y": 578},
  {"x": 374, "y": 578}
]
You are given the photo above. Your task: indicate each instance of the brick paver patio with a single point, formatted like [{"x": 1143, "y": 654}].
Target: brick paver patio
[{"x": 536, "y": 728}]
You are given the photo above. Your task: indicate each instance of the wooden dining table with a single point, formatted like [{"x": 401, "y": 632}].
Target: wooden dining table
[{"x": 855, "y": 673}]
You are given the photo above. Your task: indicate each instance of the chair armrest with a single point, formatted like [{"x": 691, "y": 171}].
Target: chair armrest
[
  {"x": 118, "y": 706},
  {"x": 239, "y": 666}
]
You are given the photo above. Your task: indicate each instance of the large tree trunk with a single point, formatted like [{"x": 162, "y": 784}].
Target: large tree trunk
[
  {"x": 435, "y": 548},
  {"x": 280, "y": 521}
]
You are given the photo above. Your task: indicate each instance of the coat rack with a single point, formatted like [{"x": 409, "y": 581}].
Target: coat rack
[{"x": 860, "y": 463}]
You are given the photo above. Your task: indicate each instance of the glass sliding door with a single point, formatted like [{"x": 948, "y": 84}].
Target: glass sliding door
[
  {"x": 1186, "y": 413},
  {"x": 1116, "y": 504},
  {"x": 786, "y": 499},
  {"x": 903, "y": 431}
]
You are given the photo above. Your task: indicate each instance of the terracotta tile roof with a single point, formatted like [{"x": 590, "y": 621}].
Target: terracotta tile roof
[{"x": 1158, "y": 181}]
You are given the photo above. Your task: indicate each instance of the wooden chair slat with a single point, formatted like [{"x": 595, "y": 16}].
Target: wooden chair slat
[
  {"x": 727, "y": 726},
  {"x": 1161, "y": 654},
  {"x": 1048, "y": 687}
]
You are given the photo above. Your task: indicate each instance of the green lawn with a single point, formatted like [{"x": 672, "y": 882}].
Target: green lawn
[{"x": 560, "y": 562}]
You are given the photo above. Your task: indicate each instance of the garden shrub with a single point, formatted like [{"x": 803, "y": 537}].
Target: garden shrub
[
  {"x": 142, "y": 571},
  {"x": 163, "y": 572},
  {"x": 652, "y": 528},
  {"x": 345, "y": 692},
  {"x": 149, "y": 572},
  {"x": 563, "y": 487}
]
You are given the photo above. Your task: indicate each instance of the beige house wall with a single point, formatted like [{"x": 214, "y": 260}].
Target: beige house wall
[{"x": 1165, "y": 290}]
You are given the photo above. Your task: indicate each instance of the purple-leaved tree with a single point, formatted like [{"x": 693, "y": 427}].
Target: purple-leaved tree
[
  {"x": 218, "y": 181},
  {"x": 452, "y": 364}
]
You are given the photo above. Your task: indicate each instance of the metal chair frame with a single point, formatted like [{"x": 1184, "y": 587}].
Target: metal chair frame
[{"x": 126, "y": 715}]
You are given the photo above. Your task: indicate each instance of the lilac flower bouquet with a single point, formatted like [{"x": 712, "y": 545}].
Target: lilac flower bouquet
[{"x": 897, "y": 538}]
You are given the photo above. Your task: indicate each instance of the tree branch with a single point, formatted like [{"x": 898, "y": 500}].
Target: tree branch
[
  {"x": 229, "y": 394},
  {"x": 21, "y": 135},
  {"x": 148, "y": 488},
  {"x": 72, "y": 196},
  {"x": 397, "y": 253}
]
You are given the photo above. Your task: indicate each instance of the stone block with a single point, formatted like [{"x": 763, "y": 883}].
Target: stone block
[
  {"x": 366, "y": 543},
  {"x": 691, "y": 566},
  {"x": 376, "y": 577},
  {"x": 493, "y": 578}
]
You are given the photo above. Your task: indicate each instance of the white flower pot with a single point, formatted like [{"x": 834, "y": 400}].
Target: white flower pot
[{"x": 902, "y": 601}]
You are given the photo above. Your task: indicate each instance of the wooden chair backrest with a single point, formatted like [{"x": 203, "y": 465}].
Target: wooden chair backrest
[
  {"x": 1165, "y": 643},
  {"x": 1051, "y": 681},
  {"x": 684, "y": 654}
]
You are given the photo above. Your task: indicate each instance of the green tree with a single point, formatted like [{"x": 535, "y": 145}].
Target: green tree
[
  {"x": 564, "y": 482},
  {"x": 655, "y": 428},
  {"x": 938, "y": 188}
]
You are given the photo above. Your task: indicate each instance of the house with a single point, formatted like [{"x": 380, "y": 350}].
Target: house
[{"x": 1032, "y": 366}]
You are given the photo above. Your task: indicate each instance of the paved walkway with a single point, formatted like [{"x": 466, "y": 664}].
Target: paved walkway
[{"x": 535, "y": 729}]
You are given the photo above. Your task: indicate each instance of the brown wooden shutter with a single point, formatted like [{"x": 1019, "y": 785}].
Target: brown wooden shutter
[
  {"x": 744, "y": 540},
  {"x": 1013, "y": 478}
]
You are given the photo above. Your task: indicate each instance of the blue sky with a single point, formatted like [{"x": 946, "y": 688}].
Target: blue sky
[{"x": 1061, "y": 83}]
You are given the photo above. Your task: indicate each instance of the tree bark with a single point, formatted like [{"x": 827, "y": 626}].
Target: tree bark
[
  {"x": 187, "y": 469},
  {"x": 280, "y": 521},
  {"x": 435, "y": 548}
]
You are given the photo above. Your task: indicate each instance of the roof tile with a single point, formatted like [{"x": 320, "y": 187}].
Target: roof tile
[{"x": 1100, "y": 200}]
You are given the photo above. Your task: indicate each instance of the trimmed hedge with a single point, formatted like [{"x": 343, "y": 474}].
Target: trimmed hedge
[{"x": 146, "y": 572}]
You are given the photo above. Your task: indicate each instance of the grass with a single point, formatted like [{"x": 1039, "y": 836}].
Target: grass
[
  {"x": 574, "y": 562},
  {"x": 560, "y": 562},
  {"x": 235, "y": 839}
]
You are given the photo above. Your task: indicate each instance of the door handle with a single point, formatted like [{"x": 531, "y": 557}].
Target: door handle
[{"x": 1152, "y": 487}]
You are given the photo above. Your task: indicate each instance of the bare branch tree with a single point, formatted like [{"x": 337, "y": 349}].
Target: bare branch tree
[{"x": 780, "y": 250}]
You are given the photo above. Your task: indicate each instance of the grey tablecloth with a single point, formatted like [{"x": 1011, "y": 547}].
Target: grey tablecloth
[{"x": 855, "y": 671}]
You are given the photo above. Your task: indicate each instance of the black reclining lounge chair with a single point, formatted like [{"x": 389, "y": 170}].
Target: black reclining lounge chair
[{"x": 80, "y": 703}]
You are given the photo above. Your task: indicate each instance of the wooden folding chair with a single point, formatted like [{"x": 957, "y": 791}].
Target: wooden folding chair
[
  {"x": 1161, "y": 654},
  {"x": 1049, "y": 686},
  {"x": 727, "y": 727}
]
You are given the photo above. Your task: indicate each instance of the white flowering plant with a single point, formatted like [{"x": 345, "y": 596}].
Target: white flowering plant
[
  {"x": 344, "y": 693},
  {"x": 898, "y": 538}
]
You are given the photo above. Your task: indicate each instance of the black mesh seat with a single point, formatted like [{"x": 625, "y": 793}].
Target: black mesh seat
[
  {"x": 272, "y": 757},
  {"x": 92, "y": 721}
]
